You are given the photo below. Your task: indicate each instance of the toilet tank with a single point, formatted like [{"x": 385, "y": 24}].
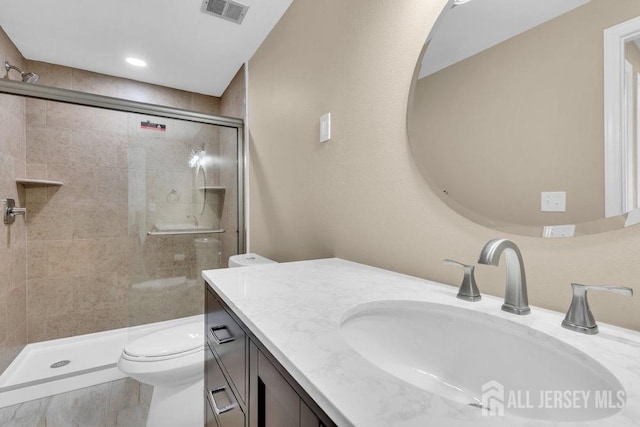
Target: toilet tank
[{"x": 245, "y": 260}]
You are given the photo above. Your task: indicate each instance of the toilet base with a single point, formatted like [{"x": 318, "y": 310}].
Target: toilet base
[{"x": 177, "y": 406}]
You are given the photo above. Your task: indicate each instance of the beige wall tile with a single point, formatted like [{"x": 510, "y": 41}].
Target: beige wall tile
[
  {"x": 69, "y": 116},
  {"x": 111, "y": 185},
  {"x": 144, "y": 92},
  {"x": 92, "y": 148},
  {"x": 37, "y": 170},
  {"x": 4, "y": 321},
  {"x": 79, "y": 184},
  {"x": 99, "y": 84},
  {"x": 50, "y": 296},
  {"x": 66, "y": 258},
  {"x": 36, "y": 112},
  {"x": 98, "y": 292},
  {"x": 232, "y": 103},
  {"x": 108, "y": 121},
  {"x": 13, "y": 345},
  {"x": 37, "y": 259},
  {"x": 50, "y": 221},
  {"x": 96, "y": 221},
  {"x": 20, "y": 262},
  {"x": 46, "y": 145},
  {"x": 51, "y": 74},
  {"x": 205, "y": 104},
  {"x": 115, "y": 256}
]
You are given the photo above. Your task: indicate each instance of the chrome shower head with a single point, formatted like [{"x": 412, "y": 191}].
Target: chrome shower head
[
  {"x": 30, "y": 77},
  {"x": 26, "y": 77}
]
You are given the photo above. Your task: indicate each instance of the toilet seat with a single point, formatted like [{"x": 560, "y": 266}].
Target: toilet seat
[{"x": 172, "y": 343}]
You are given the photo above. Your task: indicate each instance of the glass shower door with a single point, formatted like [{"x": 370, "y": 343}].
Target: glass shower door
[{"x": 183, "y": 212}]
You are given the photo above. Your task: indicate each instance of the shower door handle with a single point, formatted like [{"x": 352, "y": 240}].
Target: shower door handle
[{"x": 218, "y": 339}]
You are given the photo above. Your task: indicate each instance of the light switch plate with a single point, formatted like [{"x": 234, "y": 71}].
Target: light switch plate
[
  {"x": 325, "y": 127},
  {"x": 553, "y": 201}
]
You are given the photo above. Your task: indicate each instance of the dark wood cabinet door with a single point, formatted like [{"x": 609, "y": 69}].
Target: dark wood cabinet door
[
  {"x": 278, "y": 403},
  {"x": 307, "y": 417}
]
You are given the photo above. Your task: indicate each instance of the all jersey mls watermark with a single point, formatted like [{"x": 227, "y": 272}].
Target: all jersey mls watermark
[{"x": 496, "y": 399}]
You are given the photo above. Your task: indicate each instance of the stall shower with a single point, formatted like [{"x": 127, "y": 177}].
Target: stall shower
[{"x": 126, "y": 203}]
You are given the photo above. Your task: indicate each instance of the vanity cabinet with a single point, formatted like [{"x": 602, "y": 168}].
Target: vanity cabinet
[{"x": 245, "y": 386}]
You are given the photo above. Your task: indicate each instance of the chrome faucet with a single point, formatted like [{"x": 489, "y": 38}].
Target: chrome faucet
[
  {"x": 579, "y": 317},
  {"x": 515, "y": 294}
]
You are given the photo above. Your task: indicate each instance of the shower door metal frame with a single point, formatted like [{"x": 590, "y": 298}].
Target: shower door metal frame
[{"x": 68, "y": 96}]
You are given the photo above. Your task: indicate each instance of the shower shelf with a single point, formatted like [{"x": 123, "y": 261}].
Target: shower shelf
[
  {"x": 183, "y": 232},
  {"x": 38, "y": 182},
  {"x": 212, "y": 188}
]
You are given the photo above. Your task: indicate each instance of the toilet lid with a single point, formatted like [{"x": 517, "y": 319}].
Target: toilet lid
[{"x": 172, "y": 341}]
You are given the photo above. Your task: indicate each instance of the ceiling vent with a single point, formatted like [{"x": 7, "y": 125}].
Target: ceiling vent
[{"x": 225, "y": 9}]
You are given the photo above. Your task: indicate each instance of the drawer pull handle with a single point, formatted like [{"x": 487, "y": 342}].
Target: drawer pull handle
[
  {"x": 223, "y": 340},
  {"x": 213, "y": 401}
]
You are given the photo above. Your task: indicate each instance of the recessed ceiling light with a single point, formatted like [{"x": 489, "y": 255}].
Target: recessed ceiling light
[
  {"x": 459, "y": 2},
  {"x": 137, "y": 62}
]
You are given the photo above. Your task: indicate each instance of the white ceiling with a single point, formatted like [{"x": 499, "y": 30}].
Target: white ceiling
[
  {"x": 472, "y": 27},
  {"x": 183, "y": 47}
]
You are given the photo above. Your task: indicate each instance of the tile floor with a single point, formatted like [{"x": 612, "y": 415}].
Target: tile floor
[{"x": 122, "y": 403}]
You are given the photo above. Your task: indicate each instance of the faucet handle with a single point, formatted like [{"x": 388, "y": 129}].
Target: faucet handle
[
  {"x": 468, "y": 288},
  {"x": 579, "y": 317}
]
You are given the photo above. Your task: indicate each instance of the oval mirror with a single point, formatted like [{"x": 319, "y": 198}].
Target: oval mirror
[{"x": 523, "y": 114}]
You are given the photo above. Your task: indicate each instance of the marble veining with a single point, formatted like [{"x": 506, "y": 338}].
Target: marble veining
[{"x": 296, "y": 310}]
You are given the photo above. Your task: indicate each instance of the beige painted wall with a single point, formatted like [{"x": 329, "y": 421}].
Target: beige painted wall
[
  {"x": 13, "y": 242},
  {"x": 361, "y": 196},
  {"x": 520, "y": 118}
]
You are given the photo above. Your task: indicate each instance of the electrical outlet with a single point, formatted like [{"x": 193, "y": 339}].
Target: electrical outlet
[{"x": 553, "y": 201}]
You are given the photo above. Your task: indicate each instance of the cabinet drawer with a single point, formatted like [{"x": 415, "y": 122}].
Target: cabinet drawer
[
  {"x": 220, "y": 396},
  {"x": 229, "y": 341}
]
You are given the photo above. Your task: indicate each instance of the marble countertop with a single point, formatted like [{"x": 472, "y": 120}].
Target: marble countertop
[{"x": 295, "y": 310}]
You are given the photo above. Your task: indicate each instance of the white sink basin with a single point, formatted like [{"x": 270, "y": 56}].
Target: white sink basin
[{"x": 454, "y": 352}]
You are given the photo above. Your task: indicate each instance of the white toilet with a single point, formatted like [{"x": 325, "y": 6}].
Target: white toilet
[{"x": 172, "y": 361}]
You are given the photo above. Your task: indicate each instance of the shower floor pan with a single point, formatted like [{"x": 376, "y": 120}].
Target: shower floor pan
[{"x": 51, "y": 367}]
